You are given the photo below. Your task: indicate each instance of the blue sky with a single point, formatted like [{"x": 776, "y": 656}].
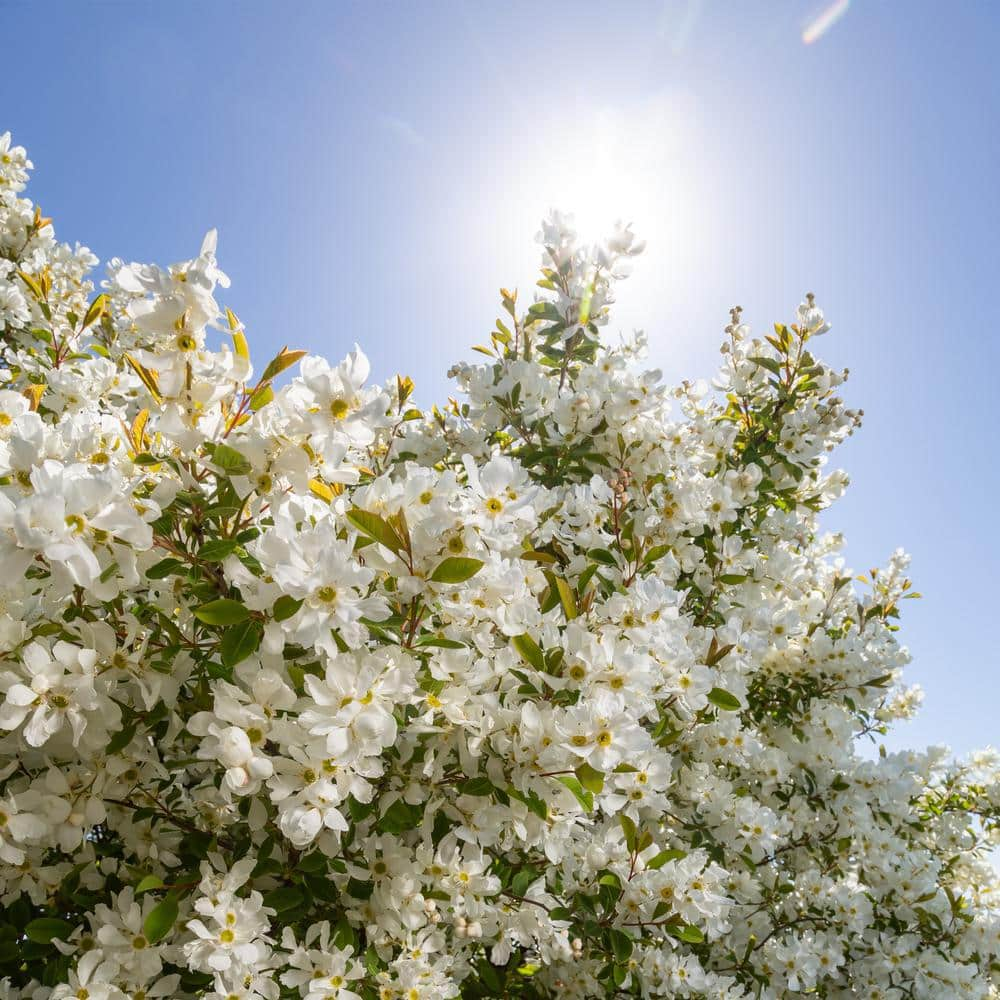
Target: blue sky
[{"x": 377, "y": 171}]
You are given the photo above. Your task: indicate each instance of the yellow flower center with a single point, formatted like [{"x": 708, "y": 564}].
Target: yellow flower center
[{"x": 339, "y": 409}]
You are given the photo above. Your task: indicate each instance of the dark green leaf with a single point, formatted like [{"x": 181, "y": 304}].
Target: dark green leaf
[
  {"x": 217, "y": 549},
  {"x": 120, "y": 740},
  {"x": 44, "y": 929},
  {"x": 240, "y": 641},
  {"x": 284, "y": 898},
  {"x": 476, "y": 786}
]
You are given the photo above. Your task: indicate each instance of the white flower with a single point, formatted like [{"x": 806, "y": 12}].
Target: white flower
[{"x": 59, "y": 688}]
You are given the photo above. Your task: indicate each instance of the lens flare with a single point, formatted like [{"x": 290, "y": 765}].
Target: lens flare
[{"x": 818, "y": 27}]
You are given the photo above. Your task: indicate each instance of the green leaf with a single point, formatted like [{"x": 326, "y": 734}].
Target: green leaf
[
  {"x": 375, "y": 527},
  {"x": 584, "y": 797},
  {"x": 602, "y": 556},
  {"x": 476, "y": 786},
  {"x": 771, "y": 364},
  {"x": 222, "y": 612},
  {"x": 160, "y": 919},
  {"x": 231, "y": 461},
  {"x": 120, "y": 740},
  {"x": 260, "y": 399},
  {"x": 164, "y": 568},
  {"x": 567, "y": 598},
  {"x": 621, "y": 944},
  {"x": 284, "y": 607},
  {"x": 456, "y": 569},
  {"x": 724, "y": 700},
  {"x": 532, "y": 800},
  {"x": 44, "y": 929},
  {"x": 239, "y": 642},
  {"x": 282, "y": 360},
  {"x": 686, "y": 932},
  {"x": 490, "y": 977},
  {"x": 96, "y": 309},
  {"x": 149, "y": 882},
  {"x": 530, "y": 650},
  {"x": 400, "y": 817},
  {"x": 217, "y": 549},
  {"x": 655, "y": 553},
  {"x": 284, "y": 898},
  {"x": 440, "y": 642},
  {"x": 630, "y": 830},
  {"x": 590, "y": 778},
  {"x": 359, "y": 889},
  {"x": 659, "y": 860}
]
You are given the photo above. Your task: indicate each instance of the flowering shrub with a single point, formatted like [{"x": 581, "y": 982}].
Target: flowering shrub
[{"x": 554, "y": 691}]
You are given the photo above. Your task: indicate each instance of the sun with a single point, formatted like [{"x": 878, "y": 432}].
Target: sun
[{"x": 618, "y": 164}]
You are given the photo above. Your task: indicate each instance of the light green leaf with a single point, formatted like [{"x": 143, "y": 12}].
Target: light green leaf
[
  {"x": 231, "y": 461},
  {"x": 724, "y": 700},
  {"x": 375, "y": 527},
  {"x": 160, "y": 919},
  {"x": 590, "y": 778},
  {"x": 530, "y": 650},
  {"x": 584, "y": 797},
  {"x": 456, "y": 569},
  {"x": 222, "y": 612},
  {"x": 566, "y": 598},
  {"x": 149, "y": 882},
  {"x": 659, "y": 860}
]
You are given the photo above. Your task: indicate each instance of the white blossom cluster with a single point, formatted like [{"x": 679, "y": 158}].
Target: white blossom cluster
[{"x": 557, "y": 690}]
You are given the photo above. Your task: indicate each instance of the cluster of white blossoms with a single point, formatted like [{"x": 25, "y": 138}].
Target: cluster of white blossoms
[{"x": 558, "y": 690}]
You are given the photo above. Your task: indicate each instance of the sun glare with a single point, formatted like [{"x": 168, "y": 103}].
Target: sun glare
[{"x": 624, "y": 165}]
